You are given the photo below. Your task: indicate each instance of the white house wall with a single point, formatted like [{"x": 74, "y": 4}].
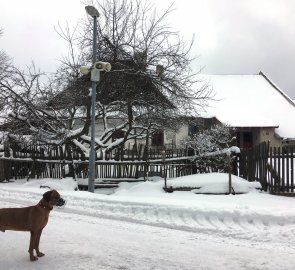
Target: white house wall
[
  {"x": 181, "y": 135},
  {"x": 268, "y": 135}
]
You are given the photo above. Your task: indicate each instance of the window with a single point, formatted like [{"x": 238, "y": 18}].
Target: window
[{"x": 158, "y": 138}]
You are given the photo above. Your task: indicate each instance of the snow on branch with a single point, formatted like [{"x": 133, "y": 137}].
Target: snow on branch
[
  {"x": 82, "y": 147},
  {"x": 227, "y": 151}
]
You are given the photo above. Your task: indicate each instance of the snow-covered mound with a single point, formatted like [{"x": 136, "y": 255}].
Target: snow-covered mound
[
  {"x": 211, "y": 183},
  {"x": 214, "y": 183}
]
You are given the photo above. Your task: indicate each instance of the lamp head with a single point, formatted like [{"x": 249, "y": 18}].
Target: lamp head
[
  {"x": 102, "y": 66},
  {"x": 92, "y": 11},
  {"x": 84, "y": 70}
]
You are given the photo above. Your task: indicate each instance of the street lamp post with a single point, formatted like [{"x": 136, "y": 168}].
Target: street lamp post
[{"x": 92, "y": 11}]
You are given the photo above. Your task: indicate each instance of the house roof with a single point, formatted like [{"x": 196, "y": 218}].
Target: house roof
[{"x": 250, "y": 101}]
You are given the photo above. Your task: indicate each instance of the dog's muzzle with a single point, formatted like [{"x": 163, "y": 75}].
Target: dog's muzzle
[{"x": 60, "y": 202}]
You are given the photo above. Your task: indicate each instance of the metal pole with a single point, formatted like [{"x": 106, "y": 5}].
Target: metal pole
[{"x": 93, "y": 101}]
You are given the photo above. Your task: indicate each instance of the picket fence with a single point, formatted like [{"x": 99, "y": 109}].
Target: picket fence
[
  {"x": 29, "y": 162},
  {"x": 273, "y": 167},
  {"x": 281, "y": 171}
]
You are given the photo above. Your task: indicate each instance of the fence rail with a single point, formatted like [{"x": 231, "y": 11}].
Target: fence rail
[{"x": 70, "y": 152}]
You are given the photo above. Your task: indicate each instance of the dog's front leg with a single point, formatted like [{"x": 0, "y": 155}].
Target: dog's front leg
[
  {"x": 39, "y": 254},
  {"x": 32, "y": 246}
]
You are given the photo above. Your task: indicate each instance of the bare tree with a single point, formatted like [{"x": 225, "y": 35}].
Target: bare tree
[
  {"x": 5, "y": 70},
  {"x": 149, "y": 87},
  {"x": 151, "y": 83},
  {"x": 24, "y": 96}
]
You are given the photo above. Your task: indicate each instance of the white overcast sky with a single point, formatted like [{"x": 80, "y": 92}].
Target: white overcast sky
[{"x": 231, "y": 36}]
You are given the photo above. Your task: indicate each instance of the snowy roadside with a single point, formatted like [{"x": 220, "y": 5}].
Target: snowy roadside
[
  {"x": 254, "y": 217},
  {"x": 71, "y": 241},
  {"x": 139, "y": 227}
]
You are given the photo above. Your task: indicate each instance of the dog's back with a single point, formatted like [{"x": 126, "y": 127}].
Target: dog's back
[{"x": 16, "y": 219}]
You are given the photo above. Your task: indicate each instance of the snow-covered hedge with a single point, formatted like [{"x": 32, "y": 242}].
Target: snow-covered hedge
[{"x": 218, "y": 141}]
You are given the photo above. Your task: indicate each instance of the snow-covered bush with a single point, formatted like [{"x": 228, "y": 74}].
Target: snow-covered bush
[{"x": 207, "y": 146}]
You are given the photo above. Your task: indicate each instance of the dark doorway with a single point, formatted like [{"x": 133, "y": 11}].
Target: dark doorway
[
  {"x": 158, "y": 138},
  {"x": 247, "y": 140}
]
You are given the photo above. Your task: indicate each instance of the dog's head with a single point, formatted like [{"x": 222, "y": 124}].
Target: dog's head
[{"x": 53, "y": 198}]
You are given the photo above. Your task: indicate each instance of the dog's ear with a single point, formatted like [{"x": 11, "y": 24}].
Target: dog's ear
[{"x": 47, "y": 196}]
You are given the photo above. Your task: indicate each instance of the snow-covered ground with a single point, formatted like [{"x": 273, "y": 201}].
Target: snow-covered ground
[{"x": 141, "y": 227}]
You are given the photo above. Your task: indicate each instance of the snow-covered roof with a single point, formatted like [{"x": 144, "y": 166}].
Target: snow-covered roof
[{"x": 250, "y": 101}]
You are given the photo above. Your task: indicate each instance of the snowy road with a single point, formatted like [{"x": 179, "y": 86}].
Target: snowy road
[
  {"x": 95, "y": 233},
  {"x": 259, "y": 227},
  {"x": 113, "y": 244}
]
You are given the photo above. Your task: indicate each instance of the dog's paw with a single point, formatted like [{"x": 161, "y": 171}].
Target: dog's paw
[
  {"x": 40, "y": 254},
  {"x": 33, "y": 258}
]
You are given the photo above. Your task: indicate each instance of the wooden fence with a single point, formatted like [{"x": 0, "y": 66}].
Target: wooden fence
[
  {"x": 44, "y": 161},
  {"x": 70, "y": 152},
  {"x": 251, "y": 164},
  {"x": 281, "y": 170},
  {"x": 273, "y": 167},
  {"x": 47, "y": 161},
  {"x": 20, "y": 168}
]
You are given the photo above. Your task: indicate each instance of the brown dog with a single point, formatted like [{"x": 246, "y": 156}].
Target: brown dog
[{"x": 32, "y": 219}]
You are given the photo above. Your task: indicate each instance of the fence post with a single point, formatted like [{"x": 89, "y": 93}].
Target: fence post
[
  {"x": 7, "y": 163},
  {"x": 229, "y": 173},
  {"x": 164, "y": 165},
  {"x": 271, "y": 180},
  {"x": 292, "y": 170}
]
